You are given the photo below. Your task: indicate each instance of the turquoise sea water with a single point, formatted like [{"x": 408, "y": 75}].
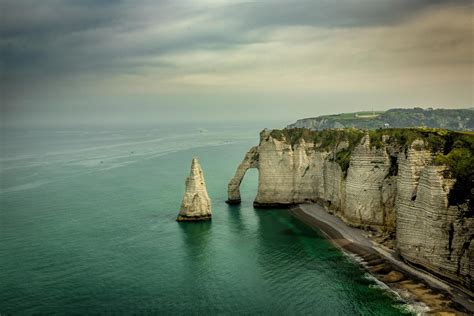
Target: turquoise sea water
[{"x": 88, "y": 227}]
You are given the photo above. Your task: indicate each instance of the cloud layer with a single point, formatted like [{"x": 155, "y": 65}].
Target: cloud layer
[{"x": 163, "y": 54}]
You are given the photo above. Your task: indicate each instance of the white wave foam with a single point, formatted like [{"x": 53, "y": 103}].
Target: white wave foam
[{"x": 409, "y": 305}]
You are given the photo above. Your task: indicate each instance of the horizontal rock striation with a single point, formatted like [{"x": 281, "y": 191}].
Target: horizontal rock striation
[
  {"x": 431, "y": 233},
  {"x": 382, "y": 182}
]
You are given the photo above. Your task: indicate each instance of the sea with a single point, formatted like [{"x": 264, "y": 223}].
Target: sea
[{"x": 87, "y": 226}]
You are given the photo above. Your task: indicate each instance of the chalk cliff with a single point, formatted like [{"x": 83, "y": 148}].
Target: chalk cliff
[
  {"x": 196, "y": 203},
  {"x": 395, "y": 181}
]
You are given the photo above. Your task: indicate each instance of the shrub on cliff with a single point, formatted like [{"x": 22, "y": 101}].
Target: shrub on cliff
[{"x": 459, "y": 158}]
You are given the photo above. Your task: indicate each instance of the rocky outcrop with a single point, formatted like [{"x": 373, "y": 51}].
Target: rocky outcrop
[
  {"x": 387, "y": 184},
  {"x": 196, "y": 203}
]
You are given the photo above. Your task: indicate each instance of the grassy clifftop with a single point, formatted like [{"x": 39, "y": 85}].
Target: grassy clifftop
[
  {"x": 453, "y": 119},
  {"x": 436, "y": 139},
  {"x": 450, "y": 148}
]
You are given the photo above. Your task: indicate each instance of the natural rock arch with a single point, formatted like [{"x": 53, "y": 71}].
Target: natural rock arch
[{"x": 250, "y": 161}]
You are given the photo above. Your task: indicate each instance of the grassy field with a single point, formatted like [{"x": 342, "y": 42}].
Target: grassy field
[{"x": 358, "y": 115}]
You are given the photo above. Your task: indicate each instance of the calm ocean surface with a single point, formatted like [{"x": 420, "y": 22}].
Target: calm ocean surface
[{"x": 87, "y": 226}]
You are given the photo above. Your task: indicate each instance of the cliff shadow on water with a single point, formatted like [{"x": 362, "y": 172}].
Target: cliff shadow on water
[{"x": 196, "y": 236}]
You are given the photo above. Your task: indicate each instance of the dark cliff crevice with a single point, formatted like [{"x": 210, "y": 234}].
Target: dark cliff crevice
[
  {"x": 450, "y": 240},
  {"x": 393, "y": 171}
]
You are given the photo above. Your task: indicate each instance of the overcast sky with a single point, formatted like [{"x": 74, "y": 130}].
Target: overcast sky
[{"x": 85, "y": 61}]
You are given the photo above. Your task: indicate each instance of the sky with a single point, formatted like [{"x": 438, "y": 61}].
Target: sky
[{"x": 67, "y": 62}]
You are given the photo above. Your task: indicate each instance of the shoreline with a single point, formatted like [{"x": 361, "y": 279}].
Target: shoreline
[{"x": 413, "y": 285}]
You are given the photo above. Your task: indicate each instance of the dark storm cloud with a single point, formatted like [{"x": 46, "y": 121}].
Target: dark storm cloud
[
  {"x": 47, "y": 18},
  {"x": 42, "y": 38},
  {"x": 54, "y": 38},
  {"x": 87, "y": 56},
  {"x": 43, "y": 44}
]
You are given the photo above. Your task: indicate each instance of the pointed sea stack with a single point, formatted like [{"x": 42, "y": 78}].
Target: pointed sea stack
[{"x": 196, "y": 205}]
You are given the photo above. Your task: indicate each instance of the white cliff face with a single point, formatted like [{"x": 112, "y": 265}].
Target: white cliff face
[
  {"x": 276, "y": 169},
  {"x": 367, "y": 175},
  {"x": 301, "y": 173},
  {"x": 431, "y": 233},
  {"x": 196, "y": 203},
  {"x": 387, "y": 189}
]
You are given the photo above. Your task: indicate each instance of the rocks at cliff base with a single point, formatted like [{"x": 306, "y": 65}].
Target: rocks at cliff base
[
  {"x": 196, "y": 205},
  {"x": 393, "y": 277}
]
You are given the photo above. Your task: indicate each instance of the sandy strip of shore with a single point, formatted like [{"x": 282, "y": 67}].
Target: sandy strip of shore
[{"x": 439, "y": 296}]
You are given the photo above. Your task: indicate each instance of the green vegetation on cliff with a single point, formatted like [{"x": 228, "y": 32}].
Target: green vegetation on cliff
[
  {"x": 326, "y": 140},
  {"x": 433, "y": 138},
  {"x": 453, "y": 119},
  {"x": 453, "y": 149},
  {"x": 458, "y": 156}
]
